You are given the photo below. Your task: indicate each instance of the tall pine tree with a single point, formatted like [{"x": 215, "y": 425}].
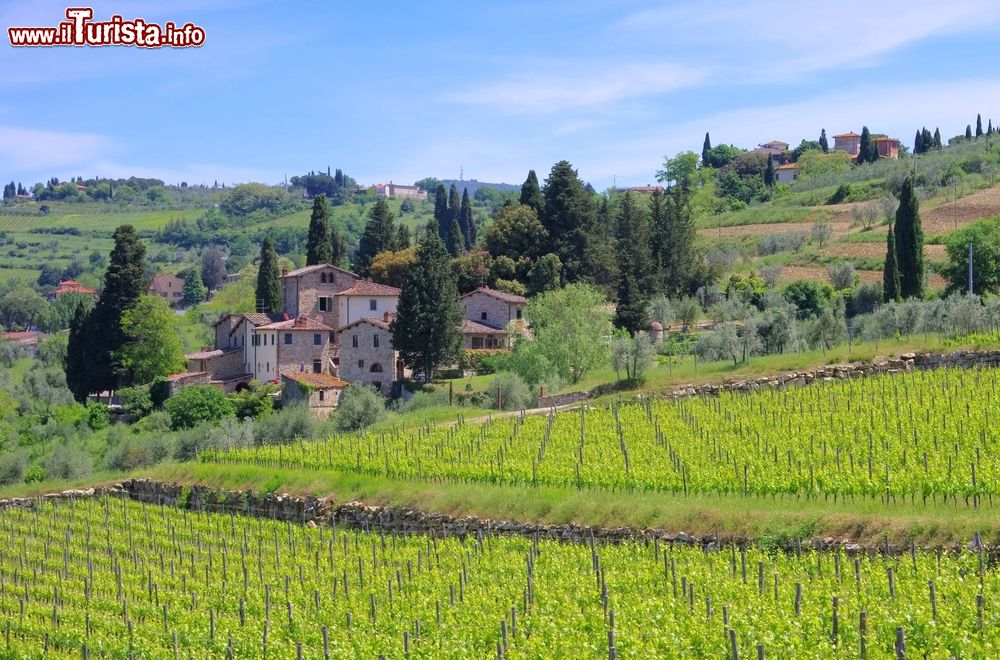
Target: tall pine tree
[
  {"x": 78, "y": 362},
  {"x": 338, "y": 248},
  {"x": 918, "y": 143},
  {"x": 268, "y": 280},
  {"x": 968, "y": 131},
  {"x": 379, "y": 235},
  {"x": 426, "y": 329},
  {"x": 867, "y": 152},
  {"x": 706, "y": 148},
  {"x": 673, "y": 240},
  {"x": 465, "y": 221},
  {"x": 890, "y": 270},
  {"x": 769, "y": 173},
  {"x": 979, "y": 125},
  {"x": 636, "y": 268},
  {"x": 441, "y": 216},
  {"x": 909, "y": 243},
  {"x": 824, "y": 144},
  {"x": 531, "y": 193},
  {"x": 454, "y": 207},
  {"x": 318, "y": 246},
  {"x": 456, "y": 241},
  {"x": 937, "y": 138}
]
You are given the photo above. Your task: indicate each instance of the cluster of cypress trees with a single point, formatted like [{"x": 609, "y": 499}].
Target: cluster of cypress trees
[
  {"x": 903, "y": 272},
  {"x": 455, "y": 225},
  {"x": 924, "y": 141}
]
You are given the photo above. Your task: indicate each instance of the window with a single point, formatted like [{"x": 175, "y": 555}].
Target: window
[
  {"x": 321, "y": 393},
  {"x": 519, "y": 313},
  {"x": 375, "y": 341},
  {"x": 361, "y": 364},
  {"x": 376, "y": 368},
  {"x": 288, "y": 338},
  {"x": 482, "y": 316},
  {"x": 354, "y": 341},
  {"x": 477, "y": 342},
  {"x": 324, "y": 304},
  {"x": 317, "y": 366},
  {"x": 373, "y": 304},
  {"x": 317, "y": 339},
  {"x": 268, "y": 366},
  {"x": 322, "y": 279}
]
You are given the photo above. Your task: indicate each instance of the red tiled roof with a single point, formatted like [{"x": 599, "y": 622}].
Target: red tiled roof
[
  {"x": 312, "y": 269},
  {"x": 378, "y": 323},
  {"x": 324, "y": 381},
  {"x": 774, "y": 143},
  {"x": 473, "y": 328},
  {"x": 499, "y": 295},
  {"x": 256, "y": 319},
  {"x": 72, "y": 286},
  {"x": 851, "y": 134},
  {"x": 298, "y": 323},
  {"x": 883, "y": 138},
  {"x": 23, "y": 337},
  {"x": 366, "y": 288}
]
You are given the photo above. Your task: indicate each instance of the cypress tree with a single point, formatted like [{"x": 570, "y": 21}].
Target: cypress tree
[
  {"x": 426, "y": 329},
  {"x": 441, "y": 216},
  {"x": 890, "y": 270},
  {"x": 968, "y": 131},
  {"x": 769, "y": 173},
  {"x": 531, "y": 193},
  {"x": 338, "y": 248},
  {"x": 918, "y": 143},
  {"x": 194, "y": 290},
  {"x": 600, "y": 258},
  {"x": 318, "y": 246},
  {"x": 979, "y": 125},
  {"x": 124, "y": 281},
  {"x": 568, "y": 215},
  {"x": 937, "y": 138},
  {"x": 868, "y": 152},
  {"x": 909, "y": 243},
  {"x": 268, "y": 280},
  {"x": 456, "y": 241},
  {"x": 465, "y": 221},
  {"x": 379, "y": 235},
  {"x": 706, "y": 148},
  {"x": 78, "y": 376},
  {"x": 989, "y": 127},
  {"x": 402, "y": 237},
  {"x": 635, "y": 265},
  {"x": 454, "y": 207},
  {"x": 824, "y": 144}
]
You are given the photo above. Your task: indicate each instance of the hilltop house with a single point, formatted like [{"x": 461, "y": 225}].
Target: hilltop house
[
  {"x": 168, "y": 286},
  {"x": 851, "y": 143},
  {"x": 773, "y": 148},
  {"x": 69, "y": 286},
  {"x": 785, "y": 173},
  {"x": 395, "y": 190},
  {"x": 887, "y": 147}
]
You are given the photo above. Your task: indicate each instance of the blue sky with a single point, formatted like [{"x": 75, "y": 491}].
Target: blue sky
[{"x": 398, "y": 91}]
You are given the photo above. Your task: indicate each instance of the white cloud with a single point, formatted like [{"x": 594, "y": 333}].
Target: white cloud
[
  {"x": 782, "y": 37},
  {"x": 573, "y": 87},
  {"x": 33, "y": 149}
]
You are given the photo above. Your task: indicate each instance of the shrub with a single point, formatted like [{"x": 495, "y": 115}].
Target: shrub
[
  {"x": 35, "y": 474},
  {"x": 426, "y": 398},
  {"x": 198, "y": 404},
  {"x": 842, "y": 275},
  {"x": 139, "y": 452},
  {"x": 514, "y": 392},
  {"x": 12, "y": 467},
  {"x": 159, "y": 392},
  {"x": 480, "y": 360},
  {"x": 68, "y": 463},
  {"x": 135, "y": 400},
  {"x": 286, "y": 426},
  {"x": 254, "y": 402},
  {"x": 98, "y": 416},
  {"x": 785, "y": 241},
  {"x": 360, "y": 407},
  {"x": 155, "y": 422}
]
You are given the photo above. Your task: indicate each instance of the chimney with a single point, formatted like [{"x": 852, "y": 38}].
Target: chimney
[{"x": 387, "y": 317}]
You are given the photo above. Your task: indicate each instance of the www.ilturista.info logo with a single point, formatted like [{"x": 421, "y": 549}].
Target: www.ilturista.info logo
[{"x": 81, "y": 30}]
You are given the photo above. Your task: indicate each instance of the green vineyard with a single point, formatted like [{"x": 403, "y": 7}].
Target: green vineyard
[
  {"x": 919, "y": 437},
  {"x": 110, "y": 578}
]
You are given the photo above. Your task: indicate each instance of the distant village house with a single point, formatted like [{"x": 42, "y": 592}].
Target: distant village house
[{"x": 394, "y": 190}]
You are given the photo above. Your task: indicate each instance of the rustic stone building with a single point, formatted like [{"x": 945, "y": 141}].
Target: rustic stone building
[
  {"x": 491, "y": 307},
  {"x": 321, "y": 392},
  {"x": 312, "y": 291},
  {"x": 367, "y": 355},
  {"x": 303, "y": 344}
]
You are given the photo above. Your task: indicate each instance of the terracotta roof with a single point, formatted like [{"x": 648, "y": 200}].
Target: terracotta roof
[
  {"x": 774, "y": 143},
  {"x": 378, "y": 323},
  {"x": 72, "y": 286},
  {"x": 499, "y": 295},
  {"x": 324, "y": 381},
  {"x": 312, "y": 269},
  {"x": 851, "y": 134},
  {"x": 366, "y": 288},
  {"x": 204, "y": 355},
  {"x": 655, "y": 325},
  {"x": 298, "y": 323},
  {"x": 883, "y": 138},
  {"x": 25, "y": 337},
  {"x": 256, "y": 319},
  {"x": 473, "y": 328}
]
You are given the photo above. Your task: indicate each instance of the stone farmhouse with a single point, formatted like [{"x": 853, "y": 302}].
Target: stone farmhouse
[
  {"x": 851, "y": 143},
  {"x": 487, "y": 313},
  {"x": 320, "y": 392},
  {"x": 167, "y": 286},
  {"x": 367, "y": 354}
]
